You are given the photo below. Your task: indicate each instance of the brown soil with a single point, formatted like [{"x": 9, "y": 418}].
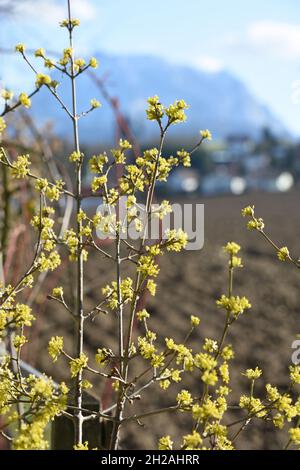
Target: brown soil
[{"x": 190, "y": 282}]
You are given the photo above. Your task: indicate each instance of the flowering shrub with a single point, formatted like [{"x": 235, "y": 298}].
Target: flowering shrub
[{"x": 28, "y": 403}]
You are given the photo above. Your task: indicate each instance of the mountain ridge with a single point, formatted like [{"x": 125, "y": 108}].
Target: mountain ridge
[{"x": 218, "y": 100}]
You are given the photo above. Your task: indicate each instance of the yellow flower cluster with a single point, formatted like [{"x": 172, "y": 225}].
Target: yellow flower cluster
[
  {"x": 50, "y": 262},
  {"x": 52, "y": 191},
  {"x": 294, "y": 434},
  {"x": 25, "y": 100},
  {"x": 95, "y": 103},
  {"x": 57, "y": 292},
  {"x": 44, "y": 225},
  {"x": 2, "y": 125},
  {"x": 83, "y": 446},
  {"x": 206, "y": 134},
  {"x": 133, "y": 179},
  {"x": 184, "y": 399},
  {"x": 165, "y": 443},
  {"x": 142, "y": 315},
  {"x": 192, "y": 441},
  {"x": 111, "y": 294},
  {"x": 76, "y": 157},
  {"x": 295, "y": 374},
  {"x": 176, "y": 239},
  {"x": 175, "y": 112},
  {"x": 155, "y": 110},
  {"x": 119, "y": 153},
  {"x": 19, "y": 341},
  {"x": 93, "y": 63},
  {"x": 254, "y": 223},
  {"x": 55, "y": 347},
  {"x": 97, "y": 162},
  {"x": 234, "y": 304},
  {"x": 71, "y": 240},
  {"x": 102, "y": 356},
  {"x": 44, "y": 402},
  {"x": 77, "y": 364},
  {"x": 20, "y": 48},
  {"x": 98, "y": 182},
  {"x": 151, "y": 286},
  {"x": 69, "y": 24},
  {"x": 42, "y": 79},
  {"x": 7, "y": 95},
  {"x": 20, "y": 167},
  {"x": 184, "y": 157},
  {"x": 210, "y": 409},
  {"x": 147, "y": 266},
  {"x": 283, "y": 254},
  {"x": 253, "y": 374},
  {"x": 232, "y": 248},
  {"x": 195, "y": 321},
  {"x": 66, "y": 58}
]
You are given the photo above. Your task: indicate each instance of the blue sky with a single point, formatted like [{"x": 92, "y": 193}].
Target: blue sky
[{"x": 257, "y": 40}]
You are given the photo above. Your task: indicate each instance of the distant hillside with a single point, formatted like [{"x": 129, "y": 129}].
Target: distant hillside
[{"x": 218, "y": 101}]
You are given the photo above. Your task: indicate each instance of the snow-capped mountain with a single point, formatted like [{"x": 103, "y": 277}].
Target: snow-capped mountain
[{"x": 218, "y": 101}]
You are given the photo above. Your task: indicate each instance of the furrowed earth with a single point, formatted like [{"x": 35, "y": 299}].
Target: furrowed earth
[{"x": 189, "y": 284}]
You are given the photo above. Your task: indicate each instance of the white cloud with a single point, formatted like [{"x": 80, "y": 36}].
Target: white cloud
[
  {"x": 275, "y": 38},
  {"x": 84, "y": 9},
  {"x": 52, "y": 11},
  {"x": 208, "y": 63}
]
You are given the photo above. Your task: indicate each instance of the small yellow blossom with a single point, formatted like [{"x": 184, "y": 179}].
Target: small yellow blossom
[
  {"x": 19, "y": 341},
  {"x": 147, "y": 266},
  {"x": 236, "y": 305},
  {"x": 256, "y": 224},
  {"x": 176, "y": 111},
  {"x": 76, "y": 365},
  {"x": 192, "y": 441},
  {"x": 155, "y": 110},
  {"x": 20, "y": 167},
  {"x": 86, "y": 384},
  {"x": 248, "y": 211},
  {"x": 295, "y": 374},
  {"x": 209, "y": 377},
  {"x": 232, "y": 248},
  {"x": 165, "y": 443},
  {"x": 25, "y": 100},
  {"x": 70, "y": 24},
  {"x": 93, "y": 62},
  {"x": 97, "y": 182},
  {"x": 206, "y": 134},
  {"x": 184, "y": 399},
  {"x": 210, "y": 345},
  {"x": 176, "y": 239},
  {"x": 83, "y": 446},
  {"x": 142, "y": 315},
  {"x": 7, "y": 95},
  {"x": 184, "y": 157},
  {"x": 95, "y": 103},
  {"x": 195, "y": 321},
  {"x": 151, "y": 286},
  {"x": 253, "y": 374},
  {"x": 294, "y": 434},
  {"x": 20, "y": 48},
  {"x": 57, "y": 292},
  {"x": 55, "y": 347},
  {"x": 102, "y": 356},
  {"x": 283, "y": 254},
  {"x": 40, "y": 52},
  {"x": 75, "y": 157},
  {"x": 2, "y": 125},
  {"x": 42, "y": 79}
]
